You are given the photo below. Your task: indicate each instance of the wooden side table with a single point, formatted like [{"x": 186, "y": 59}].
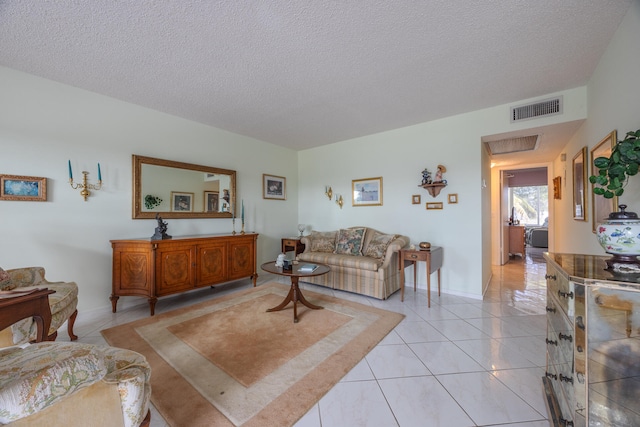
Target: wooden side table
[
  {"x": 432, "y": 257},
  {"x": 33, "y": 304},
  {"x": 292, "y": 244}
]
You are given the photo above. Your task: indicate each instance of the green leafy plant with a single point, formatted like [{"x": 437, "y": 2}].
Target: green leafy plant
[
  {"x": 614, "y": 171},
  {"x": 151, "y": 202}
]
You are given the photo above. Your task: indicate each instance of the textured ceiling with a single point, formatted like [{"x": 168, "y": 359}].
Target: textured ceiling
[{"x": 306, "y": 73}]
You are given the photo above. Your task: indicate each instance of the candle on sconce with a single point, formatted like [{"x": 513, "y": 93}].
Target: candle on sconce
[
  {"x": 243, "y": 211},
  {"x": 99, "y": 173},
  {"x": 70, "y": 173}
]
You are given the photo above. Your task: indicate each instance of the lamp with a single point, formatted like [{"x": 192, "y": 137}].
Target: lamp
[
  {"x": 328, "y": 192},
  {"x": 85, "y": 186},
  {"x": 339, "y": 200}
]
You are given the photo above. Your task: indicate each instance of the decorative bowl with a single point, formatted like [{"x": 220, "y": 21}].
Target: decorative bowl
[{"x": 424, "y": 245}]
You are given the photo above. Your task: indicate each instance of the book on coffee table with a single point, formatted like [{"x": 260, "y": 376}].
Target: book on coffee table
[{"x": 307, "y": 268}]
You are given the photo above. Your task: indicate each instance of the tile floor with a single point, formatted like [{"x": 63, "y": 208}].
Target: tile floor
[{"x": 462, "y": 362}]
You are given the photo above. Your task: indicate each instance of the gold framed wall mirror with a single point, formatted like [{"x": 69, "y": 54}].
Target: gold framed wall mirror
[{"x": 181, "y": 190}]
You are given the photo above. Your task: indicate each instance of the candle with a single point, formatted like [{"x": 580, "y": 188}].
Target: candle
[
  {"x": 70, "y": 173},
  {"x": 99, "y": 173},
  {"x": 233, "y": 212},
  {"x": 243, "y": 211}
]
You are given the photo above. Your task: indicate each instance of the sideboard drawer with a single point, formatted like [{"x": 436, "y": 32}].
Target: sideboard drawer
[{"x": 561, "y": 288}]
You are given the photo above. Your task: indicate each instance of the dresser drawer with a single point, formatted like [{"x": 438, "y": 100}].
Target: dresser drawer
[{"x": 561, "y": 288}]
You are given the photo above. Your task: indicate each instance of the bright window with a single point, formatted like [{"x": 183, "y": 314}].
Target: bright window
[{"x": 531, "y": 204}]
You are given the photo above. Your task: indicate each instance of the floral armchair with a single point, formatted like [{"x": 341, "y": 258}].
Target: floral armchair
[
  {"x": 63, "y": 305},
  {"x": 73, "y": 384}
]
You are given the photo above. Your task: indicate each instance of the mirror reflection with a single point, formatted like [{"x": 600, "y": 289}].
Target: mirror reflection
[{"x": 181, "y": 190}]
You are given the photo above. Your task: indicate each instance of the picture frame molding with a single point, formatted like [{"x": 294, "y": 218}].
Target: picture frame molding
[
  {"x": 179, "y": 194},
  {"x": 278, "y": 193},
  {"x": 579, "y": 173},
  {"x": 41, "y": 187},
  {"x": 375, "y": 183},
  {"x": 601, "y": 207}
]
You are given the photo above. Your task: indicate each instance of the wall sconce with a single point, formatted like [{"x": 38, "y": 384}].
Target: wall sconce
[
  {"x": 328, "y": 192},
  {"x": 85, "y": 186},
  {"x": 339, "y": 201}
]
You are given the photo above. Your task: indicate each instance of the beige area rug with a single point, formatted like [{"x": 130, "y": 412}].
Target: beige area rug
[{"x": 227, "y": 362}]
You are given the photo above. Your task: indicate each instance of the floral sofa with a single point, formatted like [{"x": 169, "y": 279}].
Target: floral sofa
[
  {"x": 362, "y": 260},
  {"x": 63, "y": 304}
]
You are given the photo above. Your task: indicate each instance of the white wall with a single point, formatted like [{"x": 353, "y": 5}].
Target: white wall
[
  {"x": 399, "y": 156},
  {"x": 613, "y": 103},
  {"x": 43, "y": 124}
]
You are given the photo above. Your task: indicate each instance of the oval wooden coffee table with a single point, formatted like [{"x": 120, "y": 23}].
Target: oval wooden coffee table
[{"x": 295, "y": 294}]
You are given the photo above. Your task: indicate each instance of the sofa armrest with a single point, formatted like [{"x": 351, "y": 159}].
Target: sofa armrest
[
  {"x": 27, "y": 276},
  {"x": 394, "y": 247}
]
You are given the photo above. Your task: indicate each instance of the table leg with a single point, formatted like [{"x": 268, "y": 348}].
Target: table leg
[
  {"x": 415, "y": 274},
  {"x": 438, "y": 282},
  {"x": 294, "y": 295},
  {"x": 428, "y": 266},
  {"x": 401, "y": 280}
]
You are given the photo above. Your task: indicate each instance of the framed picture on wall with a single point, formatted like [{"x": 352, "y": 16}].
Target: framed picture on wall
[
  {"x": 366, "y": 192},
  {"x": 274, "y": 187},
  {"x": 212, "y": 201},
  {"x": 434, "y": 205},
  {"x": 181, "y": 201},
  {"x": 601, "y": 207},
  {"x": 415, "y": 199},
  {"x": 579, "y": 168},
  {"x": 26, "y": 188}
]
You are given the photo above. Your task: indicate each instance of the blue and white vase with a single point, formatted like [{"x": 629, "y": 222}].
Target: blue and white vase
[{"x": 619, "y": 236}]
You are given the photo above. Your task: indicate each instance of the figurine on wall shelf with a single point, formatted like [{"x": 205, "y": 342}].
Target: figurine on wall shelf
[
  {"x": 161, "y": 229},
  {"x": 439, "y": 172},
  {"x": 426, "y": 177}
]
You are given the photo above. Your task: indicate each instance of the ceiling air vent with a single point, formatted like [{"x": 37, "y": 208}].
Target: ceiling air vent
[
  {"x": 512, "y": 145},
  {"x": 545, "y": 108}
]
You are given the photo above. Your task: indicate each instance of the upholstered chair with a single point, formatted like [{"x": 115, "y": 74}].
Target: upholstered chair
[
  {"x": 63, "y": 305},
  {"x": 73, "y": 384}
]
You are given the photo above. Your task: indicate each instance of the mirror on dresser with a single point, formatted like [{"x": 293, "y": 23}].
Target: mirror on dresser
[{"x": 181, "y": 190}]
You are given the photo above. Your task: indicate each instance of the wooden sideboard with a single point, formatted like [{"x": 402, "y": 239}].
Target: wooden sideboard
[
  {"x": 516, "y": 240},
  {"x": 157, "y": 268}
]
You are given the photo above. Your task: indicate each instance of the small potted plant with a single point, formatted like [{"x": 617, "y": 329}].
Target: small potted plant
[
  {"x": 619, "y": 235},
  {"x": 151, "y": 202},
  {"x": 614, "y": 171}
]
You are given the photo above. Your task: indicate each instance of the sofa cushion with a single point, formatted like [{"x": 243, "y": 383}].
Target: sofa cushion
[
  {"x": 349, "y": 241},
  {"x": 6, "y": 284},
  {"x": 345, "y": 261},
  {"x": 377, "y": 247},
  {"x": 323, "y": 241}
]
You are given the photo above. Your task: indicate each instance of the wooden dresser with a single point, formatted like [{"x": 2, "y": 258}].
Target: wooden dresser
[
  {"x": 516, "y": 240},
  {"x": 156, "y": 268}
]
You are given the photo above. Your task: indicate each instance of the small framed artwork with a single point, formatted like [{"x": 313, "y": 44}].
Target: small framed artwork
[
  {"x": 181, "y": 201},
  {"x": 434, "y": 205},
  {"x": 557, "y": 192},
  {"x": 601, "y": 207},
  {"x": 366, "y": 192},
  {"x": 211, "y": 201},
  {"x": 452, "y": 198},
  {"x": 415, "y": 199},
  {"x": 579, "y": 185},
  {"x": 274, "y": 187},
  {"x": 27, "y": 188}
]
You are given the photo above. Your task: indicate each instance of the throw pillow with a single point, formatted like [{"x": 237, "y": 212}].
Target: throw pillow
[
  {"x": 323, "y": 242},
  {"x": 349, "y": 241},
  {"x": 5, "y": 281},
  {"x": 377, "y": 247}
]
